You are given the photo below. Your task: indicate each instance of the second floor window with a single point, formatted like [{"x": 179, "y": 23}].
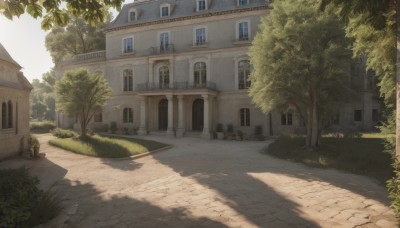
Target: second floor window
[
  {"x": 244, "y": 117},
  {"x": 200, "y": 36},
  {"x": 128, "y": 45},
  {"x": 243, "y": 31},
  {"x": 201, "y": 5},
  {"x": 164, "y": 41},
  {"x": 128, "y": 80},
  {"x": 200, "y": 73},
  {"x": 164, "y": 11},
  {"x": 243, "y": 73},
  {"x": 127, "y": 115},
  {"x": 164, "y": 77}
]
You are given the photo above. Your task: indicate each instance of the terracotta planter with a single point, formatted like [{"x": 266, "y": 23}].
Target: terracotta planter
[{"x": 36, "y": 151}]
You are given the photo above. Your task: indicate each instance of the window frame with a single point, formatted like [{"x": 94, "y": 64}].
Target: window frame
[
  {"x": 165, "y": 6},
  {"x": 130, "y": 19},
  {"x": 124, "y": 49},
  {"x": 164, "y": 79},
  {"x": 195, "y": 41},
  {"x": 127, "y": 115},
  {"x": 200, "y": 72},
  {"x": 244, "y": 117},
  {"x": 127, "y": 80},
  {"x": 240, "y": 2},
  {"x": 198, "y": 5},
  {"x": 287, "y": 118},
  {"x": 246, "y": 82},
  {"x": 238, "y": 32}
]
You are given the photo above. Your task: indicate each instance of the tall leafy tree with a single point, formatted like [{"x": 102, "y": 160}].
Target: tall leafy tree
[
  {"x": 77, "y": 37},
  {"x": 57, "y": 12},
  {"x": 301, "y": 60},
  {"x": 82, "y": 94},
  {"x": 42, "y": 97}
]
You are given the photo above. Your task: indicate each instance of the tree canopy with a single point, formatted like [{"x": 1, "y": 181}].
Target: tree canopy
[
  {"x": 58, "y": 12},
  {"x": 301, "y": 60},
  {"x": 42, "y": 97},
  {"x": 82, "y": 94},
  {"x": 77, "y": 37}
]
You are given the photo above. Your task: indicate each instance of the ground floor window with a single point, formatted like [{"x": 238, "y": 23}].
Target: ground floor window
[
  {"x": 6, "y": 115},
  {"x": 336, "y": 119},
  {"x": 244, "y": 117},
  {"x": 127, "y": 115},
  {"x": 357, "y": 115},
  {"x": 287, "y": 118}
]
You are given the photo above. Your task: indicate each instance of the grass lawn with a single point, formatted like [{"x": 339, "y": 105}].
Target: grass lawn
[
  {"x": 100, "y": 146},
  {"x": 359, "y": 155}
]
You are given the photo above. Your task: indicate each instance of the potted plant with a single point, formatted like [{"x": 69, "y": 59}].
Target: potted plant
[
  {"x": 239, "y": 135},
  {"x": 220, "y": 131},
  {"x": 34, "y": 146},
  {"x": 229, "y": 132}
]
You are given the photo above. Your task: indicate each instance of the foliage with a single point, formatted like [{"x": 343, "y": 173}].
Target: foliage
[
  {"x": 41, "y": 126},
  {"x": 357, "y": 155},
  {"x": 42, "y": 97},
  {"x": 48, "y": 207},
  {"x": 99, "y": 146},
  {"x": 113, "y": 127},
  {"x": 33, "y": 141},
  {"x": 76, "y": 38},
  {"x": 393, "y": 186},
  {"x": 62, "y": 133},
  {"x": 301, "y": 61},
  {"x": 229, "y": 128},
  {"x": 19, "y": 195},
  {"x": 83, "y": 94},
  {"x": 58, "y": 12},
  {"x": 100, "y": 128},
  {"x": 220, "y": 127}
]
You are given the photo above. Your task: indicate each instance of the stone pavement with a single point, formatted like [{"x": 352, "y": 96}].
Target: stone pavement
[{"x": 202, "y": 183}]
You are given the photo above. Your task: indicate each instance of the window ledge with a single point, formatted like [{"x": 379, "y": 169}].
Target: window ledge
[
  {"x": 241, "y": 42},
  {"x": 203, "y": 45},
  {"x": 7, "y": 130},
  {"x": 128, "y": 53}
]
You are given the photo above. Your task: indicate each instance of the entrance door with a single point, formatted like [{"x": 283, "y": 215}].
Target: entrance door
[
  {"x": 198, "y": 115},
  {"x": 163, "y": 115}
]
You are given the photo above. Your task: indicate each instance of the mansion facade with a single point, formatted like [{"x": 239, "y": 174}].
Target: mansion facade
[{"x": 181, "y": 67}]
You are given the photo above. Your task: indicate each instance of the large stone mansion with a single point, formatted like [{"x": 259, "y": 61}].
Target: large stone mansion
[{"x": 181, "y": 67}]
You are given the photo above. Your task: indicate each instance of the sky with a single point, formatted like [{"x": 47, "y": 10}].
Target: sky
[{"x": 24, "y": 39}]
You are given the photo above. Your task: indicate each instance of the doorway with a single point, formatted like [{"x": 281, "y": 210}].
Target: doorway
[
  {"x": 163, "y": 115},
  {"x": 198, "y": 115}
]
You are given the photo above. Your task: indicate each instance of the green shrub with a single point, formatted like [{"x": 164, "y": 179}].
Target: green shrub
[
  {"x": 100, "y": 128},
  {"x": 113, "y": 127},
  {"x": 48, "y": 207},
  {"x": 220, "y": 128},
  {"x": 19, "y": 195},
  {"x": 44, "y": 126},
  {"x": 393, "y": 186},
  {"x": 62, "y": 133}
]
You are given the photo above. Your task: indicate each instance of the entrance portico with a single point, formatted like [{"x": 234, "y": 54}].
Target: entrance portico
[{"x": 183, "y": 110}]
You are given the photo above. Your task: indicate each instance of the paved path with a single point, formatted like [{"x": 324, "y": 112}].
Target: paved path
[{"x": 201, "y": 183}]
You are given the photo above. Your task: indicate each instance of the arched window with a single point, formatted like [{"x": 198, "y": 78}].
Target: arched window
[
  {"x": 127, "y": 115},
  {"x": 4, "y": 115},
  {"x": 10, "y": 115},
  {"x": 200, "y": 73},
  {"x": 128, "y": 80},
  {"x": 243, "y": 73},
  {"x": 164, "y": 76},
  {"x": 244, "y": 117}
]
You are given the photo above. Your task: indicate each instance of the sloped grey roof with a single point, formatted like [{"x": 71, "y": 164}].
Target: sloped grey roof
[
  {"x": 150, "y": 10},
  {"x": 5, "y": 56},
  {"x": 22, "y": 83}
]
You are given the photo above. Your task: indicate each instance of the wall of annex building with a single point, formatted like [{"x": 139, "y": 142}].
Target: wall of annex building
[{"x": 14, "y": 140}]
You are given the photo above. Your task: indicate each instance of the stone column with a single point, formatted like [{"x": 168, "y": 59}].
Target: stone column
[
  {"x": 170, "y": 130},
  {"x": 206, "y": 129},
  {"x": 181, "y": 117},
  {"x": 143, "y": 116},
  {"x": 151, "y": 77}
]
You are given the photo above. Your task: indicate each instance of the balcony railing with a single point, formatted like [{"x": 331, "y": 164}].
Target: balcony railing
[
  {"x": 90, "y": 55},
  {"x": 166, "y": 49},
  {"x": 175, "y": 85}
]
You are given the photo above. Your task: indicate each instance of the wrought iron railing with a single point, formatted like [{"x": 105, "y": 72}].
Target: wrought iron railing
[
  {"x": 169, "y": 48},
  {"x": 175, "y": 85}
]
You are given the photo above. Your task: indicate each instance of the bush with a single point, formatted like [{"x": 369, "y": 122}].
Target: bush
[
  {"x": 62, "y": 133},
  {"x": 113, "y": 127},
  {"x": 48, "y": 207},
  {"x": 229, "y": 128},
  {"x": 44, "y": 126},
  {"x": 220, "y": 128},
  {"x": 100, "y": 128},
  {"x": 393, "y": 186},
  {"x": 19, "y": 195}
]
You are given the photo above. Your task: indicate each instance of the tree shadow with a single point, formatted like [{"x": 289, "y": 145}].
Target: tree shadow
[{"x": 122, "y": 164}]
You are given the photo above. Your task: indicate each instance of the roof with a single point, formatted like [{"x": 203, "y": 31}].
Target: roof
[
  {"x": 22, "y": 84},
  {"x": 5, "y": 56},
  {"x": 150, "y": 10}
]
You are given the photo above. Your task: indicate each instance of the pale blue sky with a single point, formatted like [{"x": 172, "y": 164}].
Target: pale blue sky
[{"x": 24, "y": 40}]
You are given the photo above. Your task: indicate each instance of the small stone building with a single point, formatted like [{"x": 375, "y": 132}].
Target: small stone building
[{"x": 14, "y": 106}]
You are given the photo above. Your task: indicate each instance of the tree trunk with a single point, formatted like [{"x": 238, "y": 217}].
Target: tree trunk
[
  {"x": 314, "y": 125},
  {"x": 398, "y": 101},
  {"x": 83, "y": 127},
  {"x": 309, "y": 122}
]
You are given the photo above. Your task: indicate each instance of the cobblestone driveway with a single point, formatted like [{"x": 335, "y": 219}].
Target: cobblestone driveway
[{"x": 201, "y": 183}]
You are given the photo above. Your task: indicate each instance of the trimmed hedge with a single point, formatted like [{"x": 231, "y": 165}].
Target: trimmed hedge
[
  {"x": 42, "y": 126},
  {"x": 63, "y": 134}
]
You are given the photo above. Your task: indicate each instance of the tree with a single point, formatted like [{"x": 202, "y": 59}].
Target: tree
[
  {"x": 300, "y": 60},
  {"x": 42, "y": 97},
  {"x": 57, "y": 12},
  {"x": 372, "y": 25},
  {"x": 76, "y": 38},
  {"x": 82, "y": 94}
]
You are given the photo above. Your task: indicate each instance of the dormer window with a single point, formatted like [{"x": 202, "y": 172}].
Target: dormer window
[
  {"x": 243, "y": 2},
  {"x": 201, "y": 5},
  {"x": 132, "y": 15},
  {"x": 165, "y": 11}
]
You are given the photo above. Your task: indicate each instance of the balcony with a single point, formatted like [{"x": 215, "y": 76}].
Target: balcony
[
  {"x": 90, "y": 56},
  {"x": 160, "y": 50},
  {"x": 176, "y": 85}
]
